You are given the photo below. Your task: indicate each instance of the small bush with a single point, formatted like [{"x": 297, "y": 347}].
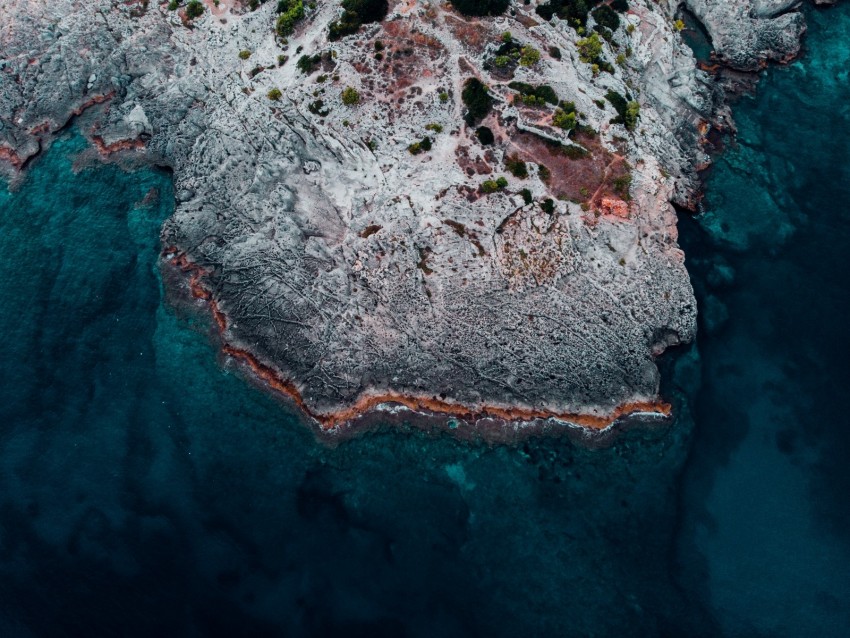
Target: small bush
[
  {"x": 437, "y": 128},
  {"x": 244, "y": 54},
  {"x": 444, "y": 97},
  {"x": 350, "y": 96},
  {"x": 501, "y": 182},
  {"x": 526, "y": 196},
  {"x": 555, "y": 52},
  {"x": 548, "y": 205},
  {"x": 274, "y": 95}
]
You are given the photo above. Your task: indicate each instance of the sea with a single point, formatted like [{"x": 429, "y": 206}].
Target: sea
[{"x": 148, "y": 489}]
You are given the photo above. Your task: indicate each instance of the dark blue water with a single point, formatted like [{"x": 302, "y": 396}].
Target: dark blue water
[{"x": 145, "y": 490}]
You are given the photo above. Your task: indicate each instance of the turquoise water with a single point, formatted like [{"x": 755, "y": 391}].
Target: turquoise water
[{"x": 147, "y": 490}]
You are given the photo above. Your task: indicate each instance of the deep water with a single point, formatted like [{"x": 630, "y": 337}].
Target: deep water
[{"x": 147, "y": 490}]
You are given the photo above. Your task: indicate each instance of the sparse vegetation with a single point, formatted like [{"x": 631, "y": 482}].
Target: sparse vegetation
[
  {"x": 679, "y": 25},
  {"x": 621, "y": 186},
  {"x": 274, "y": 95},
  {"x": 437, "y": 128}
]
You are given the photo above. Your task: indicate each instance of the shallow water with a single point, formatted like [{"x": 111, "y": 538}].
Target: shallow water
[{"x": 146, "y": 490}]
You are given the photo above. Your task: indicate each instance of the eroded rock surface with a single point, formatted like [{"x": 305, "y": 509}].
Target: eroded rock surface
[{"x": 348, "y": 266}]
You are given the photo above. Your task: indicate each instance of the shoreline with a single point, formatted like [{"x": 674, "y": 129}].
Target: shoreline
[{"x": 353, "y": 418}]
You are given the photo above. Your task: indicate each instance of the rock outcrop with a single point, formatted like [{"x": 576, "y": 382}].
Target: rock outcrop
[{"x": 360, "y": 251}]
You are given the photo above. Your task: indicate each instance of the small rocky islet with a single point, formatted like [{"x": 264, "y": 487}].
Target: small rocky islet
[{"x": 464, "y": 209}]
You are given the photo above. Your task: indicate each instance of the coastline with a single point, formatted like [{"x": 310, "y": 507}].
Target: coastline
[{"x": 492, "y": 422}]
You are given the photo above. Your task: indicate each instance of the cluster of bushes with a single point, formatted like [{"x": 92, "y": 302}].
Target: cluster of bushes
[
  {"x": 422, "y": 145},
  {"x": 477, "y": 101},
  {"x": 628, "y": 110},
  {"x": 566, "y": 116},
  {"x": 491, "y": 186},
  {"x": 194, "y": 8},
  {"x": 535, "y": 95},
  {"x": 481, "y": 7},
  {"x": 516, "y": 167},
  {"x": 291, "y": 11},
  {"x": 605, "y": 16},
  {"x": 575, "y": 11},
  {"x": 357, "y": 13},
  {"x": 308, "y": 63}
]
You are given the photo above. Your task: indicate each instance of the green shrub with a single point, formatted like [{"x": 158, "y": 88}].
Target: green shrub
[
  {"x": 548, "y": 205},
  {"x": 194, "y": 9},
  {"x": 291, "y": 11},
  {"x": 244, "y": 54},
  {"x": 307, "y": 63},
  {"x": 589, "y": 48},
  {"x": 437, "y": 128},
  {"x": 501, "y": 61},
  {"x": 526, "y": 196},
  {"x": 628, "y": 111},
  {"x": 444, "y": 97},
  {"x": 544, "y": 93},
  {"x": 565, "y": 120},
  {"x": 476, "y": 99},
  {"x": 350, "y": 96},
  {"x": 274, "y": 95},
  {"x": 501, "y": 182},
  {"x": 529, "y": 56},
  {"x": 422, "y": 145},
  {"x": 489, "y": 186},
  {"x": 173, "y": 5}
]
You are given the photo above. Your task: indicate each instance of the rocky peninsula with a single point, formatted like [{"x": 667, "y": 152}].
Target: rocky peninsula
[{"x": 391, "y": 205}]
